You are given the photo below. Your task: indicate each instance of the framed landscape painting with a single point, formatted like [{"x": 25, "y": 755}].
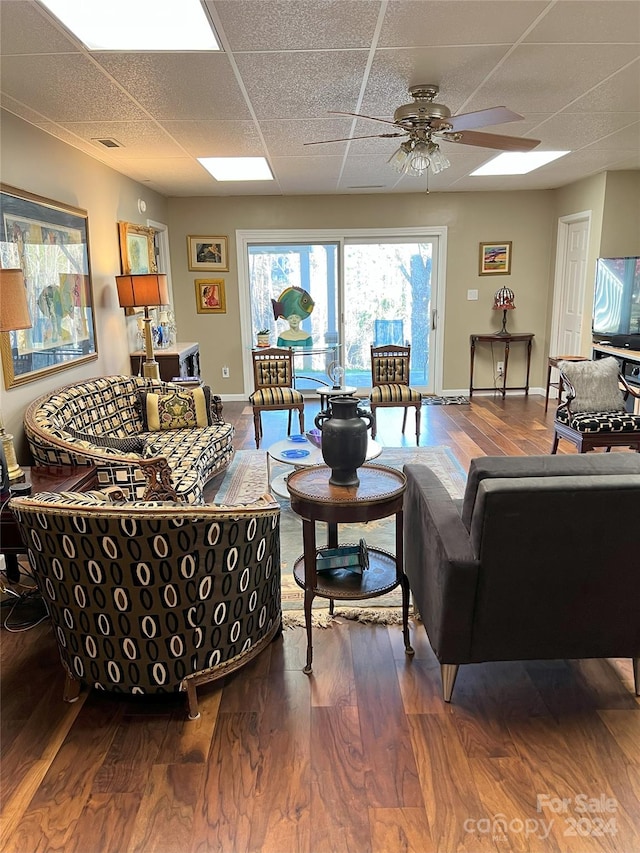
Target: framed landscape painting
[
  {"x": 495, "y": 258},
  {"x": 48, "y": 240},
  {"x": 208, "y": 254}
]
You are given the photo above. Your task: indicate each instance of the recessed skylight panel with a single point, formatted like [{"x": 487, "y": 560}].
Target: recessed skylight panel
[
  {"x": 137, "y": 25},
  {"x": 518, "y": 163},
  {"x": 237, "y": 168}
]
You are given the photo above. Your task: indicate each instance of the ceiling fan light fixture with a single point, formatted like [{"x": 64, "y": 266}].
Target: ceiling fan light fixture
[
  {"x": 418, "y": 161},
  {"x": 398, "y": 160},
  {"x": 438, "y": 161}
]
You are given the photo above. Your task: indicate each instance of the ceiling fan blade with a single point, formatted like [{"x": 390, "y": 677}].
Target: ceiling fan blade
[
  {"x": 359, "y": 115},
  {"x": 491, "y": 140},
  {"x": 349, "y": 138},
  {"x": 481, "y": 118}
]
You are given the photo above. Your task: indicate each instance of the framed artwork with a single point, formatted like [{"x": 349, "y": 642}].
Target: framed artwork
[
  {"x": 48, "y": 240},
  {"x": 495, "y": 258},
  {"x": 137, "y": 249},
  {"x": 210, "y": 296},
  {"x": 207, "y": 254}
]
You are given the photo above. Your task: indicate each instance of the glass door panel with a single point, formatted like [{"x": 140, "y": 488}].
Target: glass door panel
[
  {"x": 273, "y": 271},
  {"x": 387, "y": 300}
]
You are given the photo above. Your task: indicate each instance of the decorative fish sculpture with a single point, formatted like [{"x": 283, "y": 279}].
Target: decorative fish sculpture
[{"x": 293, "y": 300}]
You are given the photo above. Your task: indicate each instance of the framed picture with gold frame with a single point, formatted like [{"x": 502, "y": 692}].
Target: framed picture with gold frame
[
  {"x": 495, "y": 258},
  {"x": 137, "y": 249},
  {"x": 210, "y": 296},
  {"x": 208, "y": 254},
  {"x": 49, "y": 241}
]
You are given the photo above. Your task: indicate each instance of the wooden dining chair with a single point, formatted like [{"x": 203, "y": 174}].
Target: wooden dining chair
[
  {"x": 273, "y": 378},
  {"x": 390, "y": 384}
]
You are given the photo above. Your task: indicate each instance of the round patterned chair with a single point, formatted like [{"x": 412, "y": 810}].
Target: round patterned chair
[{"x": 153, "y": 597}]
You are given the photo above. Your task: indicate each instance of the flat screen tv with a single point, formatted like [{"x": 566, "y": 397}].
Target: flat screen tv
[{"x": 616, "y": 304}]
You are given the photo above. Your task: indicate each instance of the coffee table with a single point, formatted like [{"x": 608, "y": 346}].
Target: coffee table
[
  {"x": 299, "y": 452},
  {"x": 379, "y": 494}
]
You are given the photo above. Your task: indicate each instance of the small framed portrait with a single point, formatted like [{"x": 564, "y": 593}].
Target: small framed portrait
[
  {"x": 208, "y": 253},
  {"x": 495, "y": 258},
  {"x": 210, "y": 296}
]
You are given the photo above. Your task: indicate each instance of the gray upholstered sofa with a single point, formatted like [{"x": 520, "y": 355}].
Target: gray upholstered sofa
[
  {"x": 103, "y": 422},
  {"x": 153, "y": 597},
  {"x": 539, "y": 562}
]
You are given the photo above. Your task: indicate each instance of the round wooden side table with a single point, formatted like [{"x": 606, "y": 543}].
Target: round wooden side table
[{"x": 379, "y": 494}]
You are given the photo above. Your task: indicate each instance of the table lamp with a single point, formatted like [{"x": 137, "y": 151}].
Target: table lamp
[
  {"x": 504, "y": 301},
  {"x": 144, "y": 291},
  {"x": 14, "y": 315}
]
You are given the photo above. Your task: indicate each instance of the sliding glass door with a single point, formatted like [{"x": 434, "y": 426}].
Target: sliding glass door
[
  {"x": 348, "y": 291},
  {"x": 387, "y": 300}
]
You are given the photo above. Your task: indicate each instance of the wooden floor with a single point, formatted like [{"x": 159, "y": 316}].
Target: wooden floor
[{"x": 363, "y": 756}]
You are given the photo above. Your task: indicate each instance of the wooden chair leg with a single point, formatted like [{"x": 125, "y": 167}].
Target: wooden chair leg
[
  {"x": 636, "y": 675},
  {"x": 554, "y": 446},
  {"x": 301, "y": 419},
  {"x": 373, "y": 422},
  {"x": 546, "y": 399},
  {"x": 289, "y": 413},
  {"x": 404, "y": 418},
  {"x": 418, "y": 414},
  {"x": 192, "y": 699},
  {"x": 71, "y": 689}
]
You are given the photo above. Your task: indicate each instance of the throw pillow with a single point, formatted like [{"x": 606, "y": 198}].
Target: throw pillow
[
  {"x": 130, "y": 444},
  {"x": 595, "y": 383},
  {"x": 176, "y": 409}
]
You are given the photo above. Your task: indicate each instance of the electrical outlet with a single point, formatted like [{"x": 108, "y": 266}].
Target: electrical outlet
[
  {"x": 500, "y": 368},
  {"x": 225, "y": 372}
]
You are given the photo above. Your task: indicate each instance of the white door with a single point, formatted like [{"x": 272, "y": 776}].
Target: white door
[{"x": 570, "y": 283}]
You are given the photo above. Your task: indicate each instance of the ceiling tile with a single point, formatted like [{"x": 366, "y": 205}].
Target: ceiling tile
[
  {"x": 64, "y": 87},
  {"x": 292, "y": 85},
  {"x": 449, "y": 22},
  {"x": 590, "y": 21},
  {"x": 138, "y": 138},
  {"x": 179, "y": 85},
  {"x": 26, "y": 28},
  {"x": 217, "y": 138},
  {"x": 252, "y": 25},
  {"x": 288, "y": 137}
]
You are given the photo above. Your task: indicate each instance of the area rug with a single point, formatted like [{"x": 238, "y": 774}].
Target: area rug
[{"x": 246, "y": 480}]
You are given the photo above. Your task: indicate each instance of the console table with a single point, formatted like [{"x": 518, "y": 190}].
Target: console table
[
  {"x": 379, "y": 494},
  {"x": 177, "y": 360},
  {"x": 506, "y": 340},
  {"x": 45, "y": 478}
]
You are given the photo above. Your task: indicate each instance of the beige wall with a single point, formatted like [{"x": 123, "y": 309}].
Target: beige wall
[
  {"x": 525, "y": 218},
  {"x": 621, "y": 215},
  {"x": 36, "y": 162}
]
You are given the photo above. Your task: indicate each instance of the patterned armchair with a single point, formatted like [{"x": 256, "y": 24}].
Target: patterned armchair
[
  {"x": 153, "y": 597},
  {"x": 594, "y": 413}
]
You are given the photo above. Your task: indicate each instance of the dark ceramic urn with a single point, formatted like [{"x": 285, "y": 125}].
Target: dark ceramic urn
[{"x": 344, "y": 439}]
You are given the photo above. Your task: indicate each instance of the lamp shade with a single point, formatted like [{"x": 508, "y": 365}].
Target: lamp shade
[
  {"x": 14, "y": 313},
  {"x": 504, "y": 300},
  {"x": 141, "y": 291}
]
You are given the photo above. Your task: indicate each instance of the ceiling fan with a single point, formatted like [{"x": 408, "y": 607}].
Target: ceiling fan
[{"x": 425, "y": 122}]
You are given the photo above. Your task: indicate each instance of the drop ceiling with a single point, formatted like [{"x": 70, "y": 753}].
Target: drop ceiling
[{"x": 570, "y": 67}]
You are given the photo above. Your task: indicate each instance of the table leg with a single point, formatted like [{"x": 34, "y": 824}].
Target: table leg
[
  {"x": 332, "y": 542},
  {"x": 506, "y": 366},
  {"x": 404, "y": 582},
  {"x": 473, "y": 355},
  {"x": 310, "y": 579},
  {"x": 529, "y": 367}
]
